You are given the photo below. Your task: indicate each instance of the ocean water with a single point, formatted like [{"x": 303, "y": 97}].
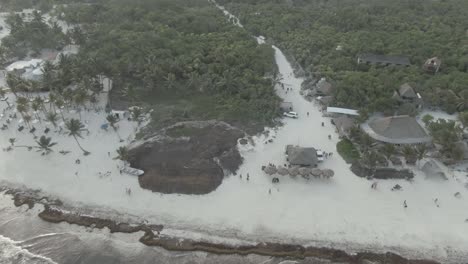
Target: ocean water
[{"x": 25, "y": 238}]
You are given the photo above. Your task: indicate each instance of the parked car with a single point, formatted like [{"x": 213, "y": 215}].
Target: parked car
[
  {"x": 291, "y": 114},
  {"x": 320, "y": 155}
]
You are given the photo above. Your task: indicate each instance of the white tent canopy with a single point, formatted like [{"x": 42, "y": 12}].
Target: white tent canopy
[{"x": 339, "y": 110}]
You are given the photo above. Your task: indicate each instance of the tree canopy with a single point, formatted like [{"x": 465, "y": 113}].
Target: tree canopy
[
  {"x": 183, "y": 59},
  {"x": 311, "y": 31}
]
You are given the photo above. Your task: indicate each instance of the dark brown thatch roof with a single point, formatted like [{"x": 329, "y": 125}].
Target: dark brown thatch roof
[
  {"x": 433, "y": 170},
  {"x": 302, "y": 156},
  {"x": 323, "y": 87},
  {"x": 343, "y": 124}
]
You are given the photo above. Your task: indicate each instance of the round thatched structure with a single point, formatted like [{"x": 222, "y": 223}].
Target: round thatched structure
[
  {"x": 316, "y": 172},
  {"x": 327, "y": 173},
  {"x": 282, "y": 171},
  {"x": 294, "y": 171},
  {"x": 270, "y": 169}
]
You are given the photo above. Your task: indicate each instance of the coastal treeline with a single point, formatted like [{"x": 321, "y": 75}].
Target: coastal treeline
[
  {"x": 325, "y": 38},
  {"x": 30, "y": 34},
  {"x": 181, "y": 58}
]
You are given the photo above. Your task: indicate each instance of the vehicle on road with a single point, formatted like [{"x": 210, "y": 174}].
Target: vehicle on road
[
  {"x": 320, "y": 155},
  {"x": 291, "y": 114}
]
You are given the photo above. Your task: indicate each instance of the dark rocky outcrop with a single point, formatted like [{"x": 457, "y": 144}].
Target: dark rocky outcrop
[{"x": 188, "y": 157}]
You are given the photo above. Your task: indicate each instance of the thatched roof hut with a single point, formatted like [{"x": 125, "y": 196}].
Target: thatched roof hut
[
  {"x": 327, "y": 173},
  {"x": 282, "y": 171},
  {"x": 294, "y": 171},
  {"x": 270, "y": 169},
  {"x": 316, "y": 172}
]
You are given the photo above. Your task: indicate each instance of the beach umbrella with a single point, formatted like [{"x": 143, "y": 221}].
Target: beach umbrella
[
  {"x": 328, "y": 173},
  {"x": 303, "y": 171},
  {"x": 316, "y": 172},
  {"x": 282, "y": 171},
  {"x": 294, "y": 171},
  {"x": 270, "y": 169}
]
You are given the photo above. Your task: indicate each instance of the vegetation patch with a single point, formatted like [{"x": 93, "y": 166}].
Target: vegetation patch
[
  {"x": 347, "y": 150},
  {"x": 326, "y": 39}
]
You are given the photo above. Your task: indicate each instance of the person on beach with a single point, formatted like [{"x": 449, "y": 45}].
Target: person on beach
[
  {"x": 248, "y": 177},
  {"x": 307, "y": 113},
  {"x": 329, "y": 137},
  {"x": 269, "y": 191},
  {"x": 404, "y": 204},
  {"x": 436, "y": 202},
  {"x": 323, "y": 124},
  {"x": 240, "y": 176}
]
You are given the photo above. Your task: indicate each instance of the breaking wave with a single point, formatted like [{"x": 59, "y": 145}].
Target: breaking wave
[{"x": 11, "y": 253}]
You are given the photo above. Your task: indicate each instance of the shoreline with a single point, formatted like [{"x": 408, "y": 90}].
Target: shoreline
[{"x": 55, "y": 212}]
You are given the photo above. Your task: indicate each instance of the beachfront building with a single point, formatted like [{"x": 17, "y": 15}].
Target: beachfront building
[
  {"x": 343, "y": 125},
  {"x": 433, "y": 171},
  {"x": 432, "y": 65},
  {"x": 406, "y": 94},
  {"x": 399, "y": 130},
  {"x": 300, "y": 156},
  {"x": 323, "y": 88},
  {"x": 384, "y": 60},
  {"x": 286, "y": 106}
]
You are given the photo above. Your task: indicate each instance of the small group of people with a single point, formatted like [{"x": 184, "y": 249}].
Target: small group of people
[
  {"x": 128, "y": 191},
  {"x": 104, "y": 175},
  {"x": 436, "y": 202},
  {"x": 248, "y": 176}
]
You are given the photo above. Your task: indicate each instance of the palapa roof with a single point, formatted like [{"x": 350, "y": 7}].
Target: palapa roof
[
  {"x": 343, "y": 124},
  {"x": 433, "y": 170},
  {"x": 435, "y": 61},
  {"x": 324, "y": 87},
  {"x": 325, "y": 100},
  {"x": 286, "y": 106},
  {"x": 407, "y": 91},
  {"x": 396, "y": 130},
  {"x": 301, "y": 156},
  {"x": 385, "y": 59}
]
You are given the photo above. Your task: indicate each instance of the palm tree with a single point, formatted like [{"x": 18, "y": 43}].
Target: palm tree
[
  {"x": 45, "y": 145},
  {"x": 22, "y": 106},
  {"x": 27, "y": 119},
  {"x": 36, "y": 105},
  {"x": 122, "y": 154},
  {"x": 388, "y": 150},
  {"x": 112, "y": 119},
  {"x": 136, "y": 114},
  {"x": 12, "y": 82},
  {"x": 462, "y": 101},
  {"x": 60, "y": 103},
  {"x": 421, "y": 151},
  {"x": 79, "y": 98},
  {"x": 170, "y": 80},
  {"x": 75, "y": 127},
  {"x": 52, "y": 118},
  {"x": 2, "y": 96},
  {"x": 408, "y": 152}
]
